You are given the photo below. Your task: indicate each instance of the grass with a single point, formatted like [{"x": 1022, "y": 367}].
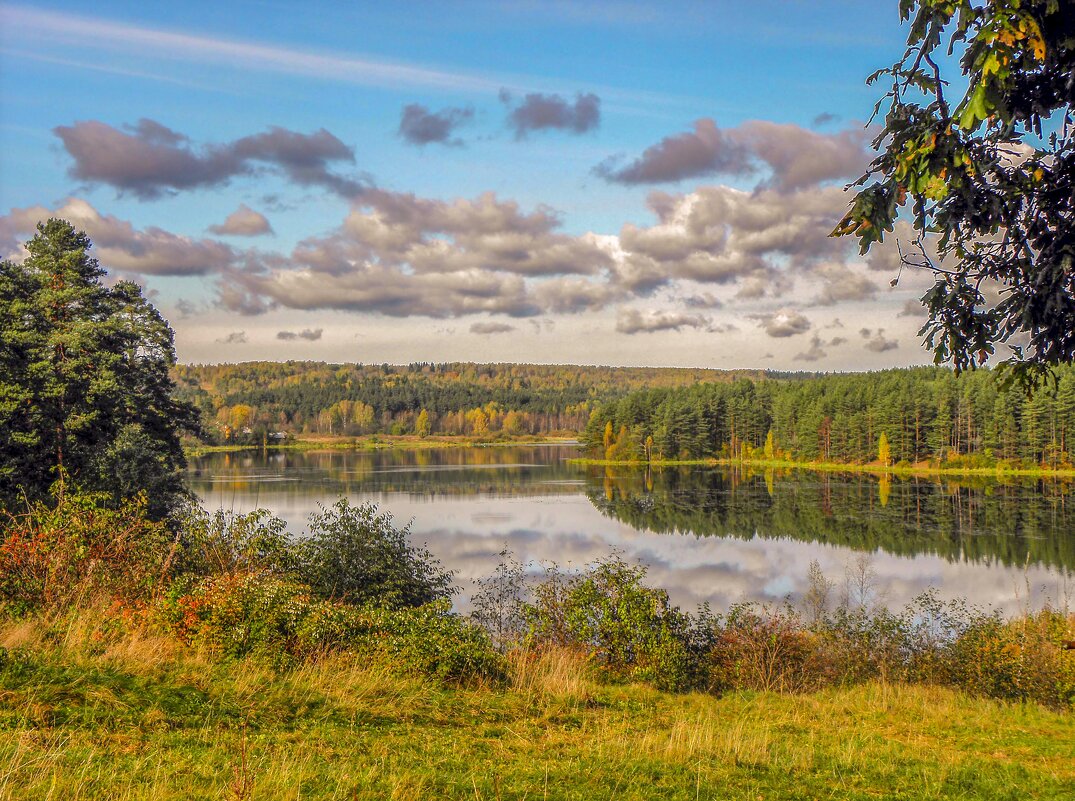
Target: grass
[
  {"x": 999, "y": 471},
  {"x": 133, "y": 715}
]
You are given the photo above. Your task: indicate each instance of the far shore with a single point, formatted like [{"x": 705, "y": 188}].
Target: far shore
[
  {"x": 874, "y": 468},
  {"x": 373, "y": 442}
]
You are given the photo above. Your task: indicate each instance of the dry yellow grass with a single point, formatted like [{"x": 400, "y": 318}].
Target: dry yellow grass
[{"x": 127, "y": 716}]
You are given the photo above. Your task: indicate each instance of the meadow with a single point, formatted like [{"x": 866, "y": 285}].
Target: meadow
[
  {"x": 138, "y": 716},
  {"x": 231, "y": 661}
]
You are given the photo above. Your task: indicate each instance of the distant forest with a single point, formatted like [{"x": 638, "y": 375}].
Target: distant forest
[
  {"x": 633, "y": 413},
  {"x": 252, "y": 400},
  {"x": 907, "y": 416}
]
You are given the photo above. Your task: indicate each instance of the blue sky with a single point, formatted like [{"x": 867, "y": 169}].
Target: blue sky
[{"x": 626, "y": 183}]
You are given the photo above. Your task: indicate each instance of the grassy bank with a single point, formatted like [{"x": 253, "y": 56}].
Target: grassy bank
[
  {"x": 997, "y": 471},
  {"x": 381, "y": 442},
  {"x": 135, "y": 715},
  {"x": 228, "y": 659}
]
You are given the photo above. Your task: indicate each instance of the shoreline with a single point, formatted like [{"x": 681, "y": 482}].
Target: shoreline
[
  {"x": 999, "y": 471},
  {"x": 375, "y": 442}
]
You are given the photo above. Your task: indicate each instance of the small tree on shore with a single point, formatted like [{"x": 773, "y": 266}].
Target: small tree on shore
[
  {"x": 421, "y": 425},
  {"x": 884, "y": 450}
]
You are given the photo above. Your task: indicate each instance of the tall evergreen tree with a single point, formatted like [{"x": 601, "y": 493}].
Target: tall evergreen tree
[{"x": 85, "y": 391}]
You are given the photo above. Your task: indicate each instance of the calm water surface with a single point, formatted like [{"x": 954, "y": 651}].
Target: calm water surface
[{"x": 706, "y": 534}]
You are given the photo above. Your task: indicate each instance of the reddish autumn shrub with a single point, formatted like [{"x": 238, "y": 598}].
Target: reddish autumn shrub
[{"x": 79, "y": 551}]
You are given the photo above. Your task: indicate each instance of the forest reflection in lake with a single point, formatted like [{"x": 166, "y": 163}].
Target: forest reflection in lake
[{"x": 707, "y": 534}]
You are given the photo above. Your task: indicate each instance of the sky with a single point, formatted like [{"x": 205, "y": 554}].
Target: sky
[{"x": 624, "y": 183}]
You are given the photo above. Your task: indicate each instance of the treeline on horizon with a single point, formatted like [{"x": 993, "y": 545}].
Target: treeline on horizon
[
  {"x": 894, "y": 417},
  {"x": 247, "y": 401}
]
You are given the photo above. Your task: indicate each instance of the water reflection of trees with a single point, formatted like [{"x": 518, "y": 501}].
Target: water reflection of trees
[
  {"x": 977, "y": 519},
  {"x": 422, "y": 473}
]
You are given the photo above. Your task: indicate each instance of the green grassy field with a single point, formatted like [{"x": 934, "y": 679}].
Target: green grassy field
[{"x": 138, "y": 716}]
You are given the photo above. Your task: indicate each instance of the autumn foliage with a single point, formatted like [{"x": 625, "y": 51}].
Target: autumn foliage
[{"x": 78, "y": 551}]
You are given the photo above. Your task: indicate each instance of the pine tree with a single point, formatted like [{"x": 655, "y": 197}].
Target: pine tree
[{"x": 85, "y": 390}]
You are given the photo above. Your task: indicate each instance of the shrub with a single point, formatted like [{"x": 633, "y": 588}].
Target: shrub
[
  {"x": 354, "y": 554},
  {"x": 499, "y": 604},
  {"x": 759, "y": 648},
  {"x": 630, "y": 630},
  {"x": 259, "y": 614},
  {"x": 240, "y": 613},
  {"x": 79, "y": 549},
  {"x": 431, "y": 640},
  {"x": 860, "y": 644},
  {"x": 1015, "y": 660},
  {"x": 223, "y": 543}
]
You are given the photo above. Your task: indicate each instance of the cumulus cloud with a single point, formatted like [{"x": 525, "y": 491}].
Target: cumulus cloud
[
  {"x": 720, "y": 235},
  {"x": 799, "y": 158},
  {"x": 400, "y": 254},
  {"x": 420, "y": 126},
  {"x": 234, "y": 338},
  {"x": 491, "y": 328},
  {"x": 542, "y": 326},
  {"x": 244, "y": 221},
  {"x": 704, "y": 151},
  {"x": 876, "y": 341},
  {"x": 538, "y": 112},
  {"x": 634, "y": 321},
  {"x": 403, "y": 255},
  {"x": 815, "y": 353},
  {"x": 374, "y": 288},
  {"x": 796, "y": 157},
  {"x": 118, "y": 245},
  {"x": 309, "y": 334},
  {"x": 783, "y": 323},
  {"x": 149, "y": 160},
  {"x": 912, "y": 307},
  {"x": 842, "y": 284},
  {"x": 702, "y": 300}
]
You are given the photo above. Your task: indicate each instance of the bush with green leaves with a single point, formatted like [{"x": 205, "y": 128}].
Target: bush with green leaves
[
  {"x": 279, "y": 619},
  {"x": 356, "y": 555},
  {"x": 226, "y": 542},
  {"x": 631, "y": 631},
  {"x": 78, "y": 550},
  {"x": 1017, "y": 660}
]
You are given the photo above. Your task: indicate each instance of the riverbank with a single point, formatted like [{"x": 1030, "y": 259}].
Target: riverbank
[
  {"x": 381, "y": 442},
  {"x": 94, "y": 715},
  {"x": 921, "y": 469}
]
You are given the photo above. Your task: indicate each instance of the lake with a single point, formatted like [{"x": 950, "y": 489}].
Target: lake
[{"x": 706, "y": 534}]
